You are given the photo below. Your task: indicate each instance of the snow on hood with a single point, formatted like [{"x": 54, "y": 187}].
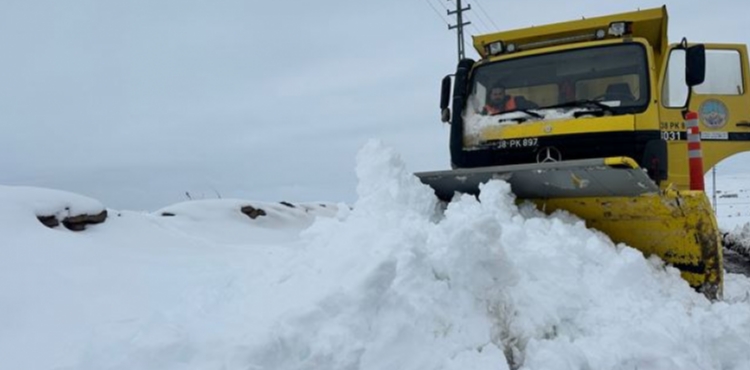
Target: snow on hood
[{"x": 475, "y": 124}]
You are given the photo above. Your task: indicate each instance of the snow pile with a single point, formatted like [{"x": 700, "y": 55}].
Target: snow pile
[
  {"x": 222, "y": 220},
  {"x": 26, "y": 203},
  {"x": 739, "y": 239},
  {"x": 491, "y": 286},
  {"x": 398, "y": 281}
]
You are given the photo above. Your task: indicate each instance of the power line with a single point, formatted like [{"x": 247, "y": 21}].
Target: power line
[
  {"x": 443, "y": 5},
  {"x": 483, "y": 24},
  {"x": 468, "y": 37},
  {"x": 469, "y": 40},
  {"x": 461, "y": 38},
  {"x": 437, "y": 12},
  {"x": 477, "y": 29},
  {"x": 481, "y": 8}
]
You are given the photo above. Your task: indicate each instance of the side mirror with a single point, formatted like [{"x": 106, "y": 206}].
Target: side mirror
[
  {"x": 445, "y": 92},
  {"x": 445, "y": 115},
  {"x": 695, "y": 65},
  {"x": 445, "y": 95}
]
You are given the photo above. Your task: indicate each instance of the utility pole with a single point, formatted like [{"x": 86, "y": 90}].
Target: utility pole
[
  {"x": 460, "y": 26},
  {"x": 716, "y": 205}
]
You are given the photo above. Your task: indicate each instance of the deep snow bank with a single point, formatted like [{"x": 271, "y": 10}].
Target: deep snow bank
[
  {"x": 142, "y": 290},
  {"x": 485, "y": 285},
  {"x": 397, "y": 282},
  {"x": 222, "y": 220},
  {"x": 25, "y": 205}
]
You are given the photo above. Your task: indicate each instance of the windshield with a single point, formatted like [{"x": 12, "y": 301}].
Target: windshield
[{"x": 609, "y": 78}]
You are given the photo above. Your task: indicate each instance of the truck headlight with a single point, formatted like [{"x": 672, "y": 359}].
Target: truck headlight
[
  {"x": 620, "y": 28},
  {"x": 495, "y": 48}
]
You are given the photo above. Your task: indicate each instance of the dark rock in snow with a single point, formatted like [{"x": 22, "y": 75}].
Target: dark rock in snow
[
  {"x": 252, "y": 212},
  {"x": 74, "y": 223},
  {"x": 49, "y": 221}
]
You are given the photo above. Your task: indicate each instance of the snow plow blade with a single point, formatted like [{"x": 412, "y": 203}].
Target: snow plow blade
[{"x": 618, "y": 198}]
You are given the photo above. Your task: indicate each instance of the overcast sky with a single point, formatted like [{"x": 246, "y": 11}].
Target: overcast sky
[{"x": 137, "y": 102}]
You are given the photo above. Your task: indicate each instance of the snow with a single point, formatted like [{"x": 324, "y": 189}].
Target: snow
[
  {"x": 477, "y": 124},
  {"x": 732, "y": 199},
  {"x": 45, "y": 202},
  {"x": 396, "y": 281},
  {"x": 739, "y": 239}
]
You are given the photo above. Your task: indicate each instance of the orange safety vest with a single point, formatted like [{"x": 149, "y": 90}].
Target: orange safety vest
[{"x": 509, "y": 105}]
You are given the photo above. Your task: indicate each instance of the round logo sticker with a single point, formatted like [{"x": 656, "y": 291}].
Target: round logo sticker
[{"x": 713, "y": 113}]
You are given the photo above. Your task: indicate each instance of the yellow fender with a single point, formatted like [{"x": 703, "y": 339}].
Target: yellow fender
[{"x": 677, "y": 226}]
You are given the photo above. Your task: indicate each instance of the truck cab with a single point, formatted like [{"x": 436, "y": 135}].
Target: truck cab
[{"x": 600, "y": 87}]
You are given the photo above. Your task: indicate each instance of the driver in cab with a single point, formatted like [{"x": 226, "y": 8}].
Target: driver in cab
[{"x": 498, "y": 102}]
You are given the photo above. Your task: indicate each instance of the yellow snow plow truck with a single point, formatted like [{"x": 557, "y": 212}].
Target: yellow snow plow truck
[{"x": 605, "y": 119}]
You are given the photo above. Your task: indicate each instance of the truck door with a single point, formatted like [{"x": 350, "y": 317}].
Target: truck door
[{"x": 722, "y": 102}]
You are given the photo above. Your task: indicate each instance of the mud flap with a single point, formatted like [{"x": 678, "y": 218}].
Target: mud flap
[{"x": 617, "y": 197}]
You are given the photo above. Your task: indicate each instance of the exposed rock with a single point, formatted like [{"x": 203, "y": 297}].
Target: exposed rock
[
  {"x": 167, "y": 214},
  {"x": 253, "y": 212},
  {"x": 49, "y": 221},
  {"x": 78, "y": 223},
  {"x": 74, "y": 223},
  {"x": 290, "y": 205}
]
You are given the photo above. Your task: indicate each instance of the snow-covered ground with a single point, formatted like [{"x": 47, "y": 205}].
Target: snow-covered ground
[
  {"x": 393, "y": 282},
  {"x": 732, "y": 199}
]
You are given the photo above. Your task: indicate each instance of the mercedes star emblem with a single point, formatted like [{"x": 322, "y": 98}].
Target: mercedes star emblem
[{"x": 548, "y": 154}]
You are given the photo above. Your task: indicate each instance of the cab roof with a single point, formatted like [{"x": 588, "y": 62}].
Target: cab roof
[{"x": 650, "y": 24}]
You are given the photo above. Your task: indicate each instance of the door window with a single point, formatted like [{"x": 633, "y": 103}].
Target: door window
[{"x": 723, "y": 76}]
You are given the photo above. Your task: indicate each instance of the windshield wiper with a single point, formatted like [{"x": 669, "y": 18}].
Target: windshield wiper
[
  {"x": 528, "y": 112},
  {"x": 586, "y": 103}
]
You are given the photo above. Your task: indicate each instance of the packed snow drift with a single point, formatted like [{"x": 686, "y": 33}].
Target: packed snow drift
[{"x": 396, "y": 281}]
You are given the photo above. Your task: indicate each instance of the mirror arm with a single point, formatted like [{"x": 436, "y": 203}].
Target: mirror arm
[
  {"x": 684, "y": 43},
  {"x": 687, "y": 103}
]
